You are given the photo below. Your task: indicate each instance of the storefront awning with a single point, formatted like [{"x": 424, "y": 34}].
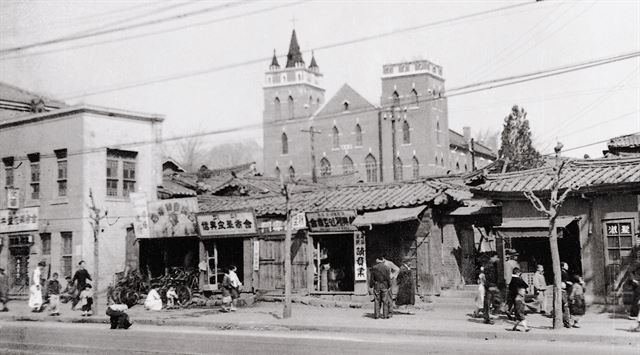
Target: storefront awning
[
  {"x": 475, "y": 210},
  {"x": 394, "y": 215},
  {"x": 531, "y": 227}
]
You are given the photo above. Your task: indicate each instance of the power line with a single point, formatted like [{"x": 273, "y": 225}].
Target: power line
[
  {"x": 153, "y": 22},
  {"x": 153, "y": 33},
  {"x": 587, "y": 145},
  {"x": 600, "y": 123},
  {"x": 404, "y": 101}
]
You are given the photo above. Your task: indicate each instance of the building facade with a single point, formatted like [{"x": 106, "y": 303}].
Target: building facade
[
  {"x": 403, "y": 137},
  {"x": 51, "y": 162}
]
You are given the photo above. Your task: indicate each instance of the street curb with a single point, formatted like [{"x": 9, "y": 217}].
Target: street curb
[{"x": 560, "y": 336}]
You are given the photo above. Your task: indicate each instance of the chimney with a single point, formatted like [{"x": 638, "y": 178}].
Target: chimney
[{"x": 466, "y": 132}]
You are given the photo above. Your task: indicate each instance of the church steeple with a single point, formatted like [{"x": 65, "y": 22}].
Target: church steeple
[
  {"x": 274, "y": 62},
  {"x": 313, "y": 65},
  {"x": 294, "y": 56}
]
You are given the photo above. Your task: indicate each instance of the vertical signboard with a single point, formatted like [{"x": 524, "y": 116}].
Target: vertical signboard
[
  {"x": 360, "y": 253},
  {"x": 256, "y": 255},
  {"x": 141, "y": 223}
]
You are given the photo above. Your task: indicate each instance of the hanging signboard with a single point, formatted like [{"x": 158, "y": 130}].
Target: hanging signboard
[
  {"x": 331, "y": 221},
  {"x": 173, "y": 218},
  {"x": 141, "y": 222},
  {"x": 298, "y": 221},
  {"x": 22, "y": 219},
  {"x": 360, "y": 252},
  {"x": 13, "y": 198},
  {"x": 226, "y": 223}
]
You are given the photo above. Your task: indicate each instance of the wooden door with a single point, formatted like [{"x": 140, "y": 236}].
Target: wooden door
[{"x": 271, "y": 264}]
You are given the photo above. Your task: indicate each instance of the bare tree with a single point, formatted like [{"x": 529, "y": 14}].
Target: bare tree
[
  {"x": 552, "y": 212},
  {"x": 190, "y": 153}
]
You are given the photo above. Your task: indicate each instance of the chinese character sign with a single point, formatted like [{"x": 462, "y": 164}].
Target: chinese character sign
[
  {"x": 360, "y": 256},
  {"x": 173, "y": 218},
  {"x": 331, "y": 221},
  {"x": 226, "y": 223},
  {"x": 141, "y": 223},
  {"x": 23, "y": 219}
]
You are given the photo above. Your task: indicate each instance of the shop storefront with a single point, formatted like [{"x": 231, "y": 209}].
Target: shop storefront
[
  {"x": 168, "y": 237},
  {"x": 338, "y": 253},
  {"x": 226, "y": 239},
  {"x": 17, "y": 230}
]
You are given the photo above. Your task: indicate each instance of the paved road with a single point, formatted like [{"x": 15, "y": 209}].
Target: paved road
[{"x": 64, "y": 338}]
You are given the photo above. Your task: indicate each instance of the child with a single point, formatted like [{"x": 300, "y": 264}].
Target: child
[
  {"x": 86, "y": 300},
  {"x": 576, "y": 300},
  {"x": 566, "y": 313},
  {"x": 230, "y": 289},
  {"x": 53, "y": 289},
  {"x": 172, "y": 296},
  {"x": 519, "y": 311}
]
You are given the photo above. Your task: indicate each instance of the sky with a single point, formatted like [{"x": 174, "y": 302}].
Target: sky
[{"x": 577, "y": 108}]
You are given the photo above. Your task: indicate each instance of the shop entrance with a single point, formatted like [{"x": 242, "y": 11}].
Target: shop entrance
[
  {"x": 535, "y": 250},
  {"x": 333, "y": 263},
  {"x": 221, "y": 254},
  {"x": 158, "y": 255}
]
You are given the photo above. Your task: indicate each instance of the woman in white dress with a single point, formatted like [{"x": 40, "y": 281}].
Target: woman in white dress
[{"x": 35, "y": 290}]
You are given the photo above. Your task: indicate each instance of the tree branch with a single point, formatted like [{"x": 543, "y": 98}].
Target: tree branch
[{"x": 536, "y": 202}]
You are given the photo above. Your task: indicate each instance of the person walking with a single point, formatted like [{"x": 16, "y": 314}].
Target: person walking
[
  {"x": 519, "y": 310},
  {"x": 53, "y": 291},
  {"x": 35, "y": 291},
  {"x": 540, "y": 289},
  {"x": 4, "y": 290},
  {"x": 118, "y": 316},
  {"x": 566, "y": 312},
  {"x": 491, "y": 292},
  {"x": 80, "y": 278},
  {"x": 514, "y": 286},
  {"x": 577, "y": 306},
  {"x": 406, "y": 290},
  {"x": 379, "y": 285},
  {"x": 230, "y": 289}
]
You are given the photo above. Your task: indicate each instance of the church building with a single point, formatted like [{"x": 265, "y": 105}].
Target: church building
[{"x": 404, "y": 137}]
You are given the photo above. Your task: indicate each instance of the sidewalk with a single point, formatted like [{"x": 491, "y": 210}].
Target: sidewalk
[{"x": 605, "y": 328}]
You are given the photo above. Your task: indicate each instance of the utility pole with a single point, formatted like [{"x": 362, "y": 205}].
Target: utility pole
[
  {"x": 473, "y": 155},
  {"x": 286, "y": 312},
  {"x": 312, "y": 133},
  {"x": 96, "y": 216}
]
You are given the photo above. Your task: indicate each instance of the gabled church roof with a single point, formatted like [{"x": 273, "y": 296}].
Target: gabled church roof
[
  {"x": 346, "y": 94},
  {"x": 294, "y": 56}
]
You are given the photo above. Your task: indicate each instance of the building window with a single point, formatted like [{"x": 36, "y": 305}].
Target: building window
[
  {"x": 325, "y": 167},
  {"x": 126, "y": 160},
  {"x": 414, "y": 94},
  {"x": 291, "y": 114},
  {"x": 285, "y": 143},
  {"x": 8, "y": 169},
  {"x": 346, "y": 105},
  {"x": 416, "y": 168},
  {"x": 619, "y": 241},
  {"x": 276, "y": 108},
  {"x": 406, "y": 133},
  {"x": 458, "y": 166},
  {"x": 61, "y": 155},
  {"x": 45, "y": 241},
  {"x": 66, "y": 258},
  {"x": 397, "y": 169},
  {"x": 276, "y": 172},
  {"x": 371, "y": 166},
  {"x": 34, "y": 160},
  {"x": 358, "y": 135},
  {"x": 442, "y": 162},
  {"x": 396, "y": 99},
  {"x": 347, "y": 165},
  {"x": 292, "y": 173},
  {"x": 438, "y": 132},
  {"x": 128, "y": 177},
  {"x": 112, "y": 177},
  {"x": 336, "y": 137},
  {"x": 465, "y": 167}
]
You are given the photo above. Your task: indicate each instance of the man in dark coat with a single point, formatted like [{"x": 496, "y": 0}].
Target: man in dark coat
[
  {"x": 491, "y": 293},
  {"x": 80, "y": 278},
  {"x": 516, "y": 283},
  {"x": 406, "y": 291},
  {"x": 380, "y": 284},
  {"x": 4, "y": 290}
]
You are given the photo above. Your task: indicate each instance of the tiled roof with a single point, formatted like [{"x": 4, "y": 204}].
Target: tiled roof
[
  {"x": 457, "y": 140},
  {"x": 171, "y": 189},
  {"x": 362, "y": 197},
  {"x": 628, "y": 141},
  {"x": 258, "y": 185},
  {"x": 588, "y": 174}
]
